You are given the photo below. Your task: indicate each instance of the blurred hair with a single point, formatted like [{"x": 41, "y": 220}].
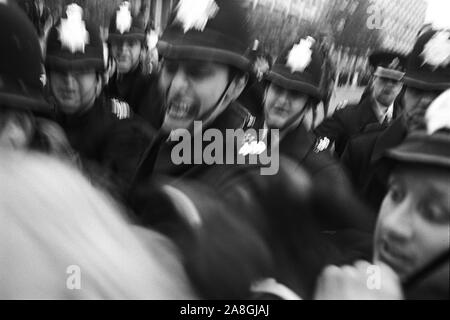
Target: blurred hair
[
  {"x": 293, "y": 216},
  {"x": 43, "y": 135},
  {"x": 52, "y": 218},
  {"x": 235, "y": 227},
  {"x": 222, "y": 253}
]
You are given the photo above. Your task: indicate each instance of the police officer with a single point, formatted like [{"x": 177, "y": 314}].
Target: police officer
[
  {"x": 127, "y": 43},
  {"x": 378, "y": 107},
  {"x": 98, "y": 128},
  {"x": 24, "y": 112},
  {"x": 293, "y": 88},
  {"x": 427, "y": 75},
  {"x": 203, "y": 72}
]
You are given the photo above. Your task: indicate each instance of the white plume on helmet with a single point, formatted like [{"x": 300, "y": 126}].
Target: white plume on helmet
[{"x": 437, "y": 116}]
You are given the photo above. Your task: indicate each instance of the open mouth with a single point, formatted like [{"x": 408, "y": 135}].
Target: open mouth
[
  {"x": 67, "y": 94},
  {"x": 181, "y": 110},
  {"x": 279, "y": 111},
  {"x": 394, "y": 257}
]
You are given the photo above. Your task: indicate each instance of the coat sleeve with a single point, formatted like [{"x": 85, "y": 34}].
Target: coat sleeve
[
  {"x": 333, "y": 127},
  {"x": 350, "y": 161},
  {"x": 124, "y": 147}
]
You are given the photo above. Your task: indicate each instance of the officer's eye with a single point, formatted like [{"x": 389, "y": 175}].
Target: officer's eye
[
  {"x": 434, "y": 212},
  {"x": 275, "y": 88},
  {"x": 132, "y": 43},
  {"x": 170, "y": 66},
  {"x": 396, "y": 191},
  {"x": 198, "y": 70},
  {"x": 296, "y": 94},
  {"x": 117, "y": 44}
]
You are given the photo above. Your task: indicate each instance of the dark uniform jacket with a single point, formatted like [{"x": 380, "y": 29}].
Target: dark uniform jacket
[
  {"x": 106, "y": 144},
  {"x": 361, "y": 157},
  {"x": 151, "y": 106},
  {"x": 131, "y": 88},
  {"x": 347, "y": 122},
  {"x": 299, "y": 145},
  {"x": 157, "y": 160},
  {"x": 356, "y": 158}
]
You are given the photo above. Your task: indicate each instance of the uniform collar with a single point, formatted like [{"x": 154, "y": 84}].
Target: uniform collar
[{"x": 382, "y": 113}]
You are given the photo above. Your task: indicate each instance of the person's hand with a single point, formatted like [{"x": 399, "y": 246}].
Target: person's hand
[{"x": 362, "y": 281}]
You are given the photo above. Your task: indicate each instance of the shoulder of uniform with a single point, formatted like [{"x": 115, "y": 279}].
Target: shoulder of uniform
[{"x": 120, "y": 109}]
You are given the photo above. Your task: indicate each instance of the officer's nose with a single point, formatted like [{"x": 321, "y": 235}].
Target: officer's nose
[
  {"x": 180, "y": 82},
  {"x": 397, "y": 224},
  {"x": 123, "y": 47},
  {"x": 69, "y": 80},
  {"x": 283, "y": 97}
]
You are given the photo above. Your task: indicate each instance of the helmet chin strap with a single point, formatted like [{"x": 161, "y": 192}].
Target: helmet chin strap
[{"x": 220, "y": 107}]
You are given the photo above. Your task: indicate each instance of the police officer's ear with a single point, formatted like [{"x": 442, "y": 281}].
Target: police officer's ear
[{"x": 100, "y": 82}]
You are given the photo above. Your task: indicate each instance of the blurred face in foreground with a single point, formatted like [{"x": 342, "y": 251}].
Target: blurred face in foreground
[
  {"x": 281, "y": 105},
  {"x": 192, "y": 90},
  {"x": 414, "y": 220},
  {"x": 16, "y": 129}
]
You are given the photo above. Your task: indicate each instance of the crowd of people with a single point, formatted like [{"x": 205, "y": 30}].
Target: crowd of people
[{"x": 88, "y": 178}]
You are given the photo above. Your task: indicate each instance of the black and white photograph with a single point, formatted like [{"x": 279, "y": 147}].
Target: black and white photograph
[{"x": 235, "y": 152}]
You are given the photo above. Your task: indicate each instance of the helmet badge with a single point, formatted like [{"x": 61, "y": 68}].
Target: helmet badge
[
  {"x": 194, "y": 14},
  {"x": 436, "y": 52},
  {"x": 72, "y": 31},
  {"x": 123, "y": 18},
  {"x": 300, "y": 56}
]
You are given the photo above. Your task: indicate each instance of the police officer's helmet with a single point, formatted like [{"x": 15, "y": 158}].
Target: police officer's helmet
[
  {"x": 74, "y": 44},
  {"x": 21, "y": 68},
  {"x": 299, "y": 68},
  {"x": 208, "y": 30}
]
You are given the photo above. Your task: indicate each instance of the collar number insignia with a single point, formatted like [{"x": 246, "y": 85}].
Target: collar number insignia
[{"x": 322, "y": 144}]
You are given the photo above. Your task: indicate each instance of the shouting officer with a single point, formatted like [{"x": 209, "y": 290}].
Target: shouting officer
[
  {"x": 204, "y": 70},
  {"x": 378, "y": 107},
  {"x": 98, "y": 128}
]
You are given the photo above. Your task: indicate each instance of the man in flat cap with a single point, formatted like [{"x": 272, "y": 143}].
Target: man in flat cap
[
  {"x": 378, "y": 107},
  {"x": 427, "y": 76}
]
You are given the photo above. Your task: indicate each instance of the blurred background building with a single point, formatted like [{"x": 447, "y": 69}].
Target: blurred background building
[
  {"x": 348, "y": 29},
  {"x": 402, "y": 21},
  {"x": 352, "y": 28}
]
